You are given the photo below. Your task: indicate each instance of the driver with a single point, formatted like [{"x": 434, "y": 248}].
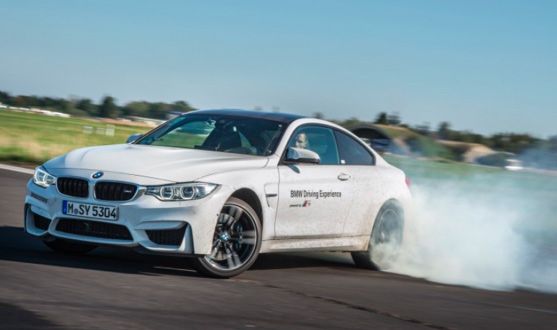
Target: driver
[{"x": 301, "y": 141}]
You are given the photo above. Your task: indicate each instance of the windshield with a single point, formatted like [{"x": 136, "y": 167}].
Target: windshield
[{"x": 224, "y": 133}]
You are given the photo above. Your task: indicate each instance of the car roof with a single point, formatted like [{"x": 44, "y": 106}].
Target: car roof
[{"x": 285, "y": 118}]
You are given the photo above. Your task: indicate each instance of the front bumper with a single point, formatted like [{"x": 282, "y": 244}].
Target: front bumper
[{"x": 148, "y": 220}]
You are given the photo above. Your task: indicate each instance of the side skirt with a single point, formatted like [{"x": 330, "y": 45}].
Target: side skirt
[{"x": 350, "y": 243}]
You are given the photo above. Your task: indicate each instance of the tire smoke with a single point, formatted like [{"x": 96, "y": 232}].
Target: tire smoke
[{"x": 496, "y": 232}]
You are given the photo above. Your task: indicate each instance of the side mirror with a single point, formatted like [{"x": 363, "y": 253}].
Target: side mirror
[
  {"x": 298, "y": 155},
  {"x": 134, "y": 137}
]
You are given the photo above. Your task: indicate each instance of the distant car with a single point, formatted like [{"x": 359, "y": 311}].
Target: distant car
[
  {"x": 514, "y": 165},
  {"x": 222, "y": 186}
]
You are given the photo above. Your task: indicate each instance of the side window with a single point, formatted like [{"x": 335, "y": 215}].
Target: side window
[
  {"x": 318, "y": 139},
  {"x": 352, "y": 152}
]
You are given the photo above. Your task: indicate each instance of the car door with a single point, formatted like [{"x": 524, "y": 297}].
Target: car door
[
  {"x": 313, "y": 198},
  {"x": 367, "y": 182}
]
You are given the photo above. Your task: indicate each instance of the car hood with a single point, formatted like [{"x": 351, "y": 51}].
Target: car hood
[{"x": 163, "y": 163}]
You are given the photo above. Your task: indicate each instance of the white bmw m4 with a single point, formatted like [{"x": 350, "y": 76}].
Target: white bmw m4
[{"x": 222, "y": 186}]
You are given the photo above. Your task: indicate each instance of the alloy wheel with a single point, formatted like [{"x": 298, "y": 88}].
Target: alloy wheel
[{"x": 234, "y": 240}]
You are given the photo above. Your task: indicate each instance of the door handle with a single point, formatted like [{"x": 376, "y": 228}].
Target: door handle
[{"x": 343, "y": 176}]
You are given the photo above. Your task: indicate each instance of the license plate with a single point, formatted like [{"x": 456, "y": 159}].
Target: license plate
[{"x": 90, "y": 210}]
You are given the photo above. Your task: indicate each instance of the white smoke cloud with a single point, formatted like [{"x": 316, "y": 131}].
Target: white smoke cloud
[{"x": 482, "y": 232}]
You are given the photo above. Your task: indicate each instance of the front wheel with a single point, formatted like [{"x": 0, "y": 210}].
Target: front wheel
[
  {"x": 69, "y": 247},
  {"x": 236, "y": 241},
  {"x": 385, "y": 240}
]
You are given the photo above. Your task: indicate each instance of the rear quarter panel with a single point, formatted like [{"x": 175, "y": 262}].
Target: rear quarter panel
[{"x": 374, "y": 186}]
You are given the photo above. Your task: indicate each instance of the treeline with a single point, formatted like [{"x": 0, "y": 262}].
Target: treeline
[
  {"x": 510, "y": 142},
  {"x": 107, "y": 107}
]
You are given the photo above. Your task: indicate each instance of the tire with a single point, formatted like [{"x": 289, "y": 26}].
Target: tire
[
  {"x": 69, "y": 247},
  {"x": 236, "y": 241},
  {"x": 385, "y": 239}
]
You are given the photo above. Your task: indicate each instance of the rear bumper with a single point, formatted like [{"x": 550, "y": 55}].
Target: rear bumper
[{"x": 183, "y": 228}]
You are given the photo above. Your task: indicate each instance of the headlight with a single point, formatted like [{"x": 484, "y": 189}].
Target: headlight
[
  {"x": 182, "y": 191},
  {"x": 42, "y": 178}
]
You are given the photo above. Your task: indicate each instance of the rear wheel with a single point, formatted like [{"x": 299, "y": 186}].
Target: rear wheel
[
  {"x": 236, "y": 241},
  {"x": 69, "y": 247},
  {"x": 385, "y": 240}
]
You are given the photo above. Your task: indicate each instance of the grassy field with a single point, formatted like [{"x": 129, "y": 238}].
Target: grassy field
[{"x": 34, "y": 138}]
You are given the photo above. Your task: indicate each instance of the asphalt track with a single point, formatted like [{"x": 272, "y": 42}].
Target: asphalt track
[{"x": 117, "y": 289}]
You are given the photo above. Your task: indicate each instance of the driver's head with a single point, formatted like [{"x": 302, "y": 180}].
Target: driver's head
[{"x": 301, "y": 141}]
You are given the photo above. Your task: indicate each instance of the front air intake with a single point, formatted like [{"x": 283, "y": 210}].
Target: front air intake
[
  {"x": 41, "y": 222},
  {"x": 93, "y": 229},
  {"x": 167, "y": 236}
]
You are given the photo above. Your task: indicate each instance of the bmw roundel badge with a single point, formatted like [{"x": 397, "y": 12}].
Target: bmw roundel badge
[{"x": 97, "y": 175}]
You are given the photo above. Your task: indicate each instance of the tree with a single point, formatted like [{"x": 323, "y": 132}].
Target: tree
[
  {"x": 5, "y": 98},
  {"x": 66, "y": 107},
  {"x": 87, "y": 106},
  {"x": 138, "y": 108},
  {"x": 182, "y": 106},
  {"x": 444, "y": 130},
  {"x": 513, "y": 142},
  {"x": 108, "y": 108},
  {"x": 351, "y": 123},
  {"x": 393, "y": 119},
  {"x": 159, "y": 110},
  {"x": 381, "y": 119}
]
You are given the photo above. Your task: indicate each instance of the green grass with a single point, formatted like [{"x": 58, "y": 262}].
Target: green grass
[{"x": 34, "y": 138}]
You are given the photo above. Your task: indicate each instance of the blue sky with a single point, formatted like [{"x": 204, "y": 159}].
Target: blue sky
[{"x": 486, "y": 66}]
